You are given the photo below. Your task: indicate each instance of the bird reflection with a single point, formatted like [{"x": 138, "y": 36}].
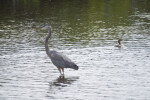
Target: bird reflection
[{"x": 63, "y": 82}]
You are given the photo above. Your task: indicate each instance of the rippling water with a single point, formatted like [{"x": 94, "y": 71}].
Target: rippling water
[{"x": 85, "y": 31}]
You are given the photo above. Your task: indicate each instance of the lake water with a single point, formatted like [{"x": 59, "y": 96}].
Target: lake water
[{"x": 84, "y": 30}]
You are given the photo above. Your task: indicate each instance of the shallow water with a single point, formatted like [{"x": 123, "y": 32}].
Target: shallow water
[{"x": 85, "y": 31}]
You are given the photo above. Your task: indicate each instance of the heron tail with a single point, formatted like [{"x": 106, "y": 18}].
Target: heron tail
[{"x": 75, "y": 67}]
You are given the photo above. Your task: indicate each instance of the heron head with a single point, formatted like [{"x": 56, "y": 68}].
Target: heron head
[{"x": 45, "y": 26}]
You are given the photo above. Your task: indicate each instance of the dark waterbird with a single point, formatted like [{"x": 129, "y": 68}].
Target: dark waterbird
[
  {"x": 59, "y": 60},
  {"x": 119, "y": 45}
]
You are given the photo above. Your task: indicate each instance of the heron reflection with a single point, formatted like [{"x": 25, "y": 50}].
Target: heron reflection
[{"x": 63, "y": 82}]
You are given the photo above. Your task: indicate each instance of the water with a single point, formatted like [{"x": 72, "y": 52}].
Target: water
[{"x": 85, "y": 31}]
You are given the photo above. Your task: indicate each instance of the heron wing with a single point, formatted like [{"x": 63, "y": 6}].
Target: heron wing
[{"x": 61, "y": 60}]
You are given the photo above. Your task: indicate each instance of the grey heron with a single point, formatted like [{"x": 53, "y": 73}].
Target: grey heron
[{"x": 58, "y": 59}]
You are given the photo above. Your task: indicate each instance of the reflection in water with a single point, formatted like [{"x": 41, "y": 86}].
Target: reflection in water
[
  {"x": 60, "y": 86},
  {"x": 63, "y": 82}
]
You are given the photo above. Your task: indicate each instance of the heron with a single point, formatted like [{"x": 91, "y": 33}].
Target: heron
[
  {"x": 58, "y": 59},
  {"x": 119, "y": 45}
]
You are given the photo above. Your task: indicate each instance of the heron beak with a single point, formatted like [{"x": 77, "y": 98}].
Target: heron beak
[
  {"x": 43, "y": 27},
  {"x": 36, "y": 28}
]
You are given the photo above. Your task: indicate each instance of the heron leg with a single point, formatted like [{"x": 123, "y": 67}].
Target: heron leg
[
  {"x": 59, "y": 70},
  {"x": 63, "y": 70}
]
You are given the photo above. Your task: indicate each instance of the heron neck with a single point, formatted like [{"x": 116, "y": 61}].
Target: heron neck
[{"x": 46, "y": 41}]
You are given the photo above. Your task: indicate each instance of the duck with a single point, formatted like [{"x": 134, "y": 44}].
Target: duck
[{"x": 119, "y": 43}]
